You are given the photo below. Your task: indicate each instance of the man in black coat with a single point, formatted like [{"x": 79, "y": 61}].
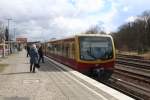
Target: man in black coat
[
  {"x": 28, "y": 50},
  {"x": 40, "y": 51}
]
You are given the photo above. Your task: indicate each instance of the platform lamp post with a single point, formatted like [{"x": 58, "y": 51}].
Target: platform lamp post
[
  {"x": 9, "y": 39},
  {"x": 14, "y": 34},
  {"x": 14, "y": 31},
  {"x": 4, "y": 48},
  {"x": 3, "y": 40}
]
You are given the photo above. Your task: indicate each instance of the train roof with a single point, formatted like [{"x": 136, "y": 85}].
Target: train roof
[
  {"x": 80, "y": 35},
  {"x": 102, "y": 35}
]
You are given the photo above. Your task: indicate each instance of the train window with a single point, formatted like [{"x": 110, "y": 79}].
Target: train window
[
  {"x": 72, "y": 50},
  {"x": 55, "y": 48},
  {"x": 59, "y": 49},
  {"x": 63, "y": 50},
  {"x": 67, "y": 50},
  {"x": 94, "y": 48},
  {"x": 49, "y": 47}
]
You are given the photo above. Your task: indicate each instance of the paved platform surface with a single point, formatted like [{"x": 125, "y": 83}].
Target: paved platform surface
[{"x": 49, "y": 83}]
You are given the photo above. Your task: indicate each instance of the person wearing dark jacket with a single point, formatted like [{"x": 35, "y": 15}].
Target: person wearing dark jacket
[
  {"x": 40, "y": 51},
  {"x": 34, "y": 56},
  {"x": 28, "y": 50}
]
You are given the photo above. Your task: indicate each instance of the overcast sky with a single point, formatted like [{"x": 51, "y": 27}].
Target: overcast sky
[{"x": 46, "y": 19}]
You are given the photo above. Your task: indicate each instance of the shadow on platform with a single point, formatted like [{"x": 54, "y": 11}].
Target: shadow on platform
[
  {"x": 16, "y": 98},
  {"x": 50, "y": 67},
  {"x": 15, "y": 73}
]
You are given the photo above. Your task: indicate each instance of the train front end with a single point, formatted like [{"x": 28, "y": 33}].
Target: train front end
[{"x": 96, "y": 55}]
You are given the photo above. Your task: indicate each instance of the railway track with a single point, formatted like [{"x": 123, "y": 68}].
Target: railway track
[
  {"x": 135, "y": 60},
  {"x": 128, "y": 84},
  {"x": 133, "y": 63},
  {"x": 145, "y": 74},
  {"x": 132, "y": 76},
  {"x": 135, "y": 91},
  {"x": 130, "y": 56}
]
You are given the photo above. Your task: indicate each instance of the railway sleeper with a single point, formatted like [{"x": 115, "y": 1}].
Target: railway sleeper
[{"x": 145, "y": 66}]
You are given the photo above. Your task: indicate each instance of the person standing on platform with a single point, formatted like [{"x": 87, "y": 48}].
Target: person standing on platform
[
  {"x": 28, "y": 50},
  {"x": 40, "y": 51},
  {"x": 34, "y": 56}
]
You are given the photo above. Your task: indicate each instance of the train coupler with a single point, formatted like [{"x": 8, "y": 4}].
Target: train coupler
[{"x": 98, "y": 72}]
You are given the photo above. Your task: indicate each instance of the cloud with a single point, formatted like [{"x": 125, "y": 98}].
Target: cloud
[
  {"x": 125, "y": 9},
  {"x": 51, "y": 17},
  {"x": 131, "y": 19},
  {"x": 88, "y": 6},
  {"x": 45, "y": 19}
]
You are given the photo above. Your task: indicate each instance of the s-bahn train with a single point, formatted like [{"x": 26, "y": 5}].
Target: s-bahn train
[{"x": 88, "y": 54}]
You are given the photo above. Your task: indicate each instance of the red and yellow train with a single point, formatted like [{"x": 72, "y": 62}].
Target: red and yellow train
[{"x": 90, "y": 53}]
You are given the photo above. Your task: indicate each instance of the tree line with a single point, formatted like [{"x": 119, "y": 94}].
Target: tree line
[
  {"x": 131, "y": 36},
  {"x": 134, "y": 36},
  {"x": 97, "y": 29}
]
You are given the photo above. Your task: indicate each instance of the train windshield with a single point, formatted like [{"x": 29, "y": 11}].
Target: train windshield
[{"x": 96, "y": 48}]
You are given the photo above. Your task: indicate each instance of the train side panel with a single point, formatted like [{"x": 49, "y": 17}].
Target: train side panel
[{"x": 67, "y": 53}]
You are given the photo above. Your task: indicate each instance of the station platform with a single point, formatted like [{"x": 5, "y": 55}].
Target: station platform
[{"x": 53, "y": 81}]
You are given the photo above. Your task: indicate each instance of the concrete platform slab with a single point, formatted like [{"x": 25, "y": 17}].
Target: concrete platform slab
[{"x": 49, "y": 83}]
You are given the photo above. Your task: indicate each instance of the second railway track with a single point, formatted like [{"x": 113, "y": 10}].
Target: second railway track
[{"x": 132, "y": 76}]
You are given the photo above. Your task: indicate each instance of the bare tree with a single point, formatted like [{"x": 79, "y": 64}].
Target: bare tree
[
  {"x": 134, "y": 35},
  {"x": 96, "y": 30}
]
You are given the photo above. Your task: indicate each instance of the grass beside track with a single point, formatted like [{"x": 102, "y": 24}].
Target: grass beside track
[{"x": 2, "y": 67}]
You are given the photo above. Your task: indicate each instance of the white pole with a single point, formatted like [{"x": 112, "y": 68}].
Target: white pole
[
  {"x": 4, "y": 42},
  {"x": 9, "y": 38},
  {"x": 4, "y": 48}
]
